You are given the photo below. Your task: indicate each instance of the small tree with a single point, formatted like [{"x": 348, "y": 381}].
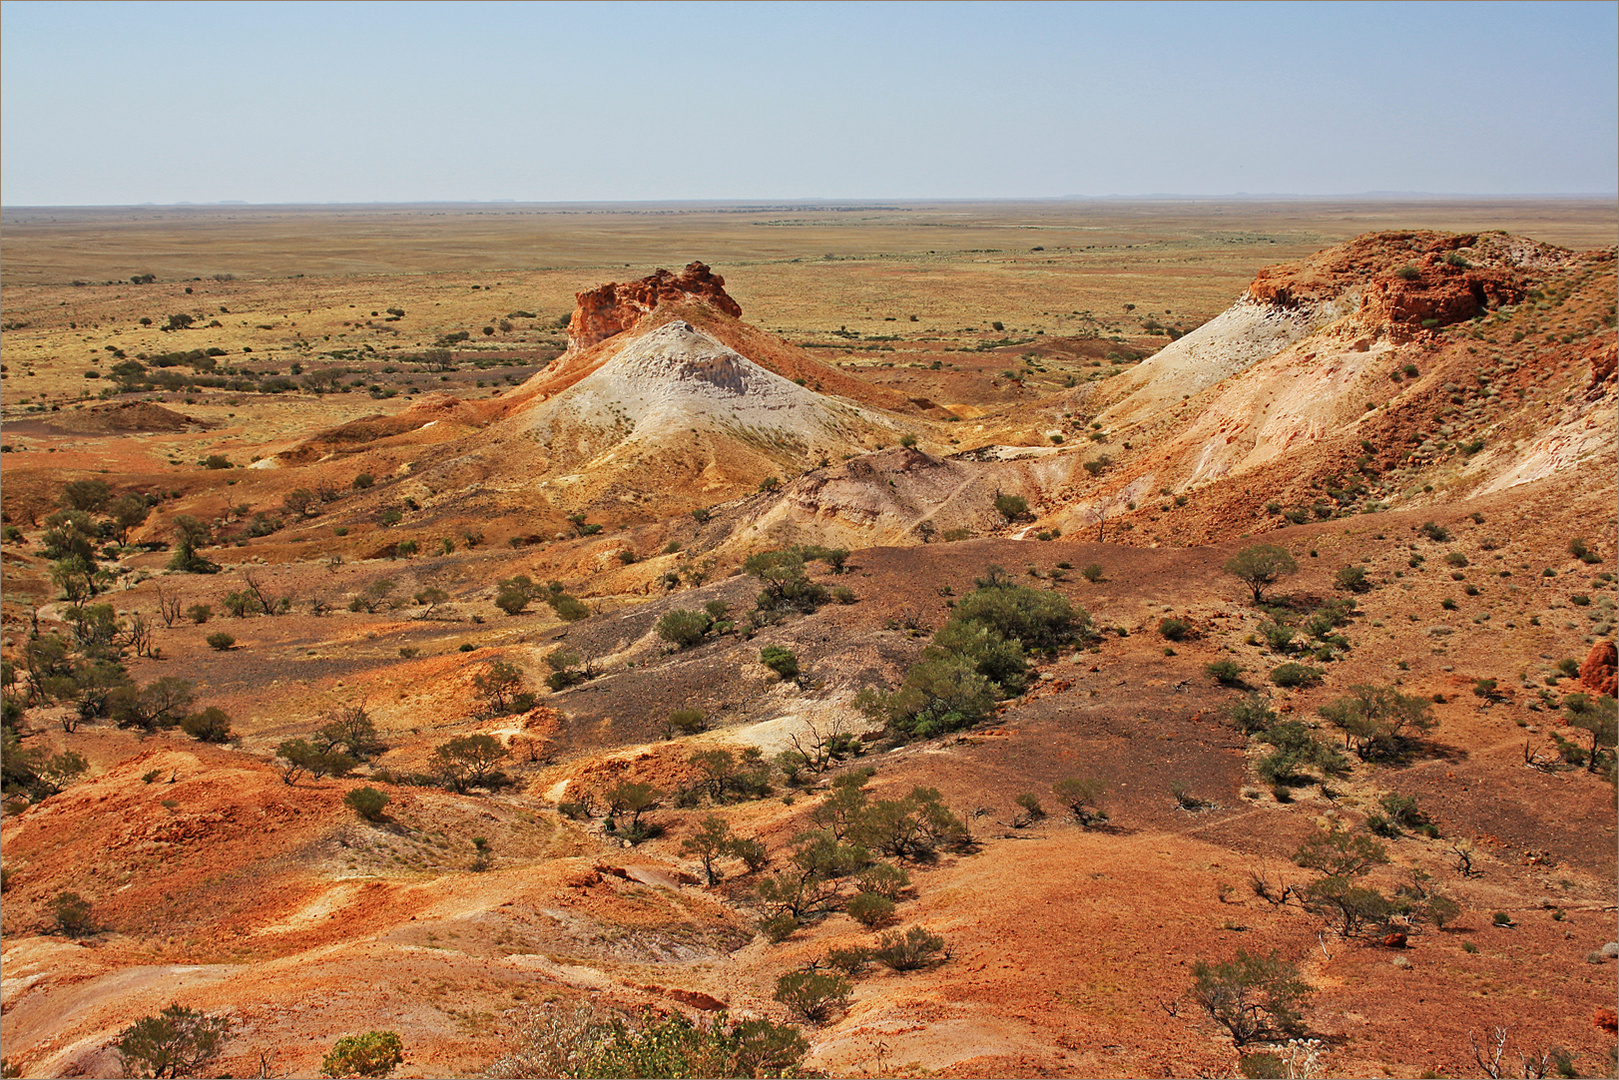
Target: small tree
[
  {"x": 351, "y": 728},
  {"x": 298, "y": 756},
  {"x": 176, "y": 1042},
  {"x": 512, "y": 595},
  {"x": 633, "y": 798},
  {"x": 376, "y": 1053},
  {"x": 1251, "y": 996},
  {"x": 499, "y": 683},
  {"x": 468, "y": 760},
  {"x": 300, "y": 501},
  {"x": 430, "y": 598},
  {"x": 1598, "y": 719},
  {"x": 1377, "y": 721},
  {"x": 1259, "y": 566},
  {"x": 712, "y": 839},
  {"x": 189, "y": 535},
  {"x": 128, "y": 512}
]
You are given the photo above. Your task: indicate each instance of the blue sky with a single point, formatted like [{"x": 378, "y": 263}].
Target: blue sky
[{"x": 291, "y": 102}]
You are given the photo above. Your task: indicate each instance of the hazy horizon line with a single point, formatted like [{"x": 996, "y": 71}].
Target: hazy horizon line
[{"x": 1239, "y": 196}]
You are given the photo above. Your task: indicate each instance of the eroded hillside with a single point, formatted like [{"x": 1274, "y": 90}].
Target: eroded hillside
[{"x": 1083, "y": 802}]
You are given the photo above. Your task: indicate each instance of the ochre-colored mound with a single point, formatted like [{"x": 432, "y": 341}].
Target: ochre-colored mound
[{"x": 125, "y": 416}]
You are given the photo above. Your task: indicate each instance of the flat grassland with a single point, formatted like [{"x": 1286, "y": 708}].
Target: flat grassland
[{"x": 876, "y": 286}]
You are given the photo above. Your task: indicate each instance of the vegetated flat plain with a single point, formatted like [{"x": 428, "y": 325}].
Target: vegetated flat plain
[{"x": 219, "y": 885}]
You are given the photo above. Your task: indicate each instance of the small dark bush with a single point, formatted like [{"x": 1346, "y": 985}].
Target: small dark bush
[{"x": 220, "y": 640}]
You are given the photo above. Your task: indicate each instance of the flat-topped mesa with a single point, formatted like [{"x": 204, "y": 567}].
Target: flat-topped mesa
[{"x": 616, "y": 307}]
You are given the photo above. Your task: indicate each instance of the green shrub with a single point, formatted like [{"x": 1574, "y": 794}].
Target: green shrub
[
  {"x": 1012, "y": 507},
  {"x": 871, "y": 910},
  {"x": 1435, "y": 532},
  {"x": 1278, "y": 637},
  {"x": 812, "y": 995},
  {"x": 684, "y": 627},
  {"x": 781, "y": 660},
  {"x": 911, "y": 950},
  {"x": 211, "y": 725},
  {"x": 1251, "y": 715},
  {"x": 1092, "y": 572},
  {"x": 1175, "y": 629},
  {"x": 376, "y": 1053},
  {"x": 687, "y": 722},
  {"x": 579, "y": 1043},
  {"x": 1225, "y": 672},
  {"x": 368, "y": 802},
  {"x": 220, "y": 640},
  {"x": 1295, "y": 675},
  {"x": 1352, "y": 579},
  {"x": 72, "y": 914},
  {"x": 849, "y": 961}
]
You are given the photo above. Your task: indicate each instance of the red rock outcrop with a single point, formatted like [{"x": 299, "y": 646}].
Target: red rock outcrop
[
  {"x": 1604, "y": 358},
  {"x": 615, "y": 307},
  {"x": 1437, "y": 291},
  {"x": 1409, "y": 278},
  {"x": 1597, "y": 674}
]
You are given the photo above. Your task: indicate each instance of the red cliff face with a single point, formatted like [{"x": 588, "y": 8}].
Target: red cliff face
[{"x": 614, "y": 308}]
